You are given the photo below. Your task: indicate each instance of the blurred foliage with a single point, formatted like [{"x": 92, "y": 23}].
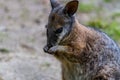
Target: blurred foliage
[
  {"x": 109, "y": 23},
  {"x": 3, "y": 50},
  {"x": 111, "y": 28},
  {"x": 107, "y": 1},
  {"x": 84, "y": 7},
  {"x": 115, "y": 15}
]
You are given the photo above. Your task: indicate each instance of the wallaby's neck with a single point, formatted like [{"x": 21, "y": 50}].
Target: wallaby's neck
[
  {"x": 83, "y": 31},
  {"x": 81, "y": 39},
  {"x": 79, "y": 35}
]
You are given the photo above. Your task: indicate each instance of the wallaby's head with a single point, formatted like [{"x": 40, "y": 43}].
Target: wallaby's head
[{"x": 60, "y": 22}]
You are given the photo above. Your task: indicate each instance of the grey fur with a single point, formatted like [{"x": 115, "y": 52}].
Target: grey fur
[{"x": 99, "y": 60}]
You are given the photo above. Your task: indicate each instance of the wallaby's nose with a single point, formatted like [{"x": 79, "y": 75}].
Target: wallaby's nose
[{"x": 45, "y": 49}]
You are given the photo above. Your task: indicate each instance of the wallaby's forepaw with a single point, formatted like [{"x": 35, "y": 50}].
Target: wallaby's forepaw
[
  {"x": 59, "y": 48},
  {"x": 53, "y": 49}
]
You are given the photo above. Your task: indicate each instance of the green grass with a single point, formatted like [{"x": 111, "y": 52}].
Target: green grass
[
  {"x": 111, "y": 28},
  {"x": 98, "y": 24},
  {"x": 83, "y": 7},
  {"x": 107, "y": 1},
  {"x": 4, "y": 50},
  {"x": 114, "y": 30},
  {"x": 115, "y": 15}
]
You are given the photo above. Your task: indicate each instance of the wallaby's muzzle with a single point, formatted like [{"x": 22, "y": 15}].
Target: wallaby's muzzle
[{"x": 46, "y": 49}]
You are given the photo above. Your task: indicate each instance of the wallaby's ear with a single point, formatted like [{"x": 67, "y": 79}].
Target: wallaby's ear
[
  {"x": 54, "y": 3},
  {"x": 71, "y": 7}
]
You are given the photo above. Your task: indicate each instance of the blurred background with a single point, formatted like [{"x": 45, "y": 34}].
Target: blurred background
[{"x": 23, "y": 35}]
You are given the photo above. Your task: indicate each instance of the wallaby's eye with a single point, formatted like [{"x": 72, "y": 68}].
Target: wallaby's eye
[{"x": 59, "y": 30}]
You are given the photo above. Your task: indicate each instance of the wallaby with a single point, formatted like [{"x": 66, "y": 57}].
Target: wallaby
[{"x": 85, "y": 53}]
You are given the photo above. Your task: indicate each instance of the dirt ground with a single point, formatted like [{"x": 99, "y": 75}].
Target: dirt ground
[{"x": 22, "y": 38}]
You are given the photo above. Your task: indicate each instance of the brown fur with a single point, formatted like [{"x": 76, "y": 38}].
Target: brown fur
[
  {"x": 76, "y": 40},
  {"x": 78, "y": 36},
  {"x": 84, "y": 53}
]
